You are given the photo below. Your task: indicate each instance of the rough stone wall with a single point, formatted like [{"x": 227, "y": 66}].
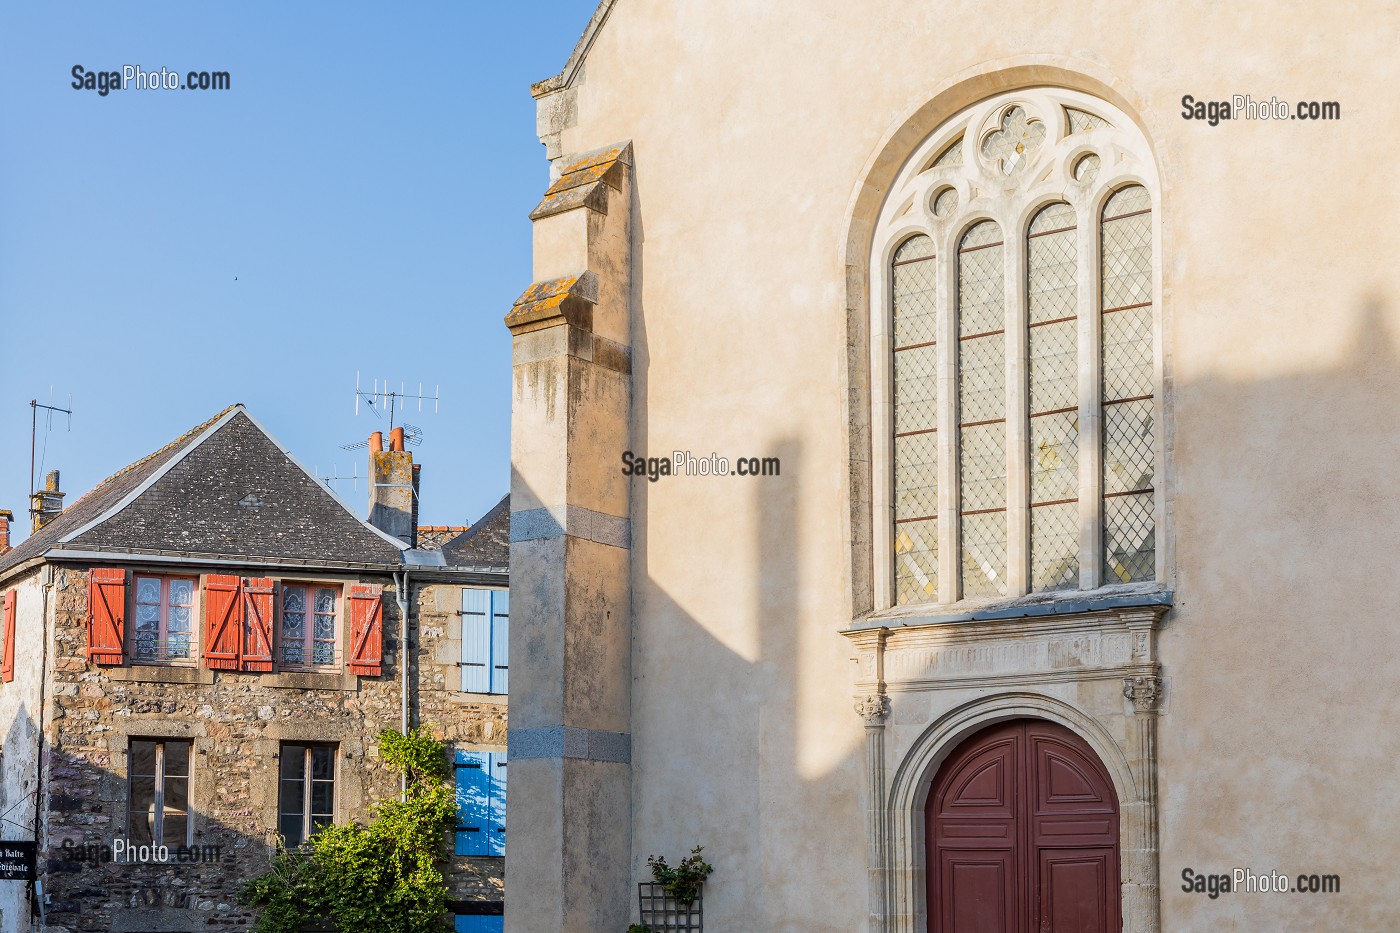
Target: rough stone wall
[
  {"x": 236, "y": 722},
  {"x": 460, "y": 719}
]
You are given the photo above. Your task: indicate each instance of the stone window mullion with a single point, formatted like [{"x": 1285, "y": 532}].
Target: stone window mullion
[
  {"x": 1090, "y": 406},
  {"x": 949, "y": 542},
  {"x": 1018, "y": 530}
]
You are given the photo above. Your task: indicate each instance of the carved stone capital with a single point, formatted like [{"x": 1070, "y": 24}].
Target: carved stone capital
[
  {"x": 874, "y": 708},
  {"x": 1145, "y": 690}
]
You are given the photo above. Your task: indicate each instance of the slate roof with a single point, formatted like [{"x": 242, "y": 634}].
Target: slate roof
[
  {"x": 102, "y": 497},
  {"x": 486, "y": 543},
  {"x": 225, "y": 489}
]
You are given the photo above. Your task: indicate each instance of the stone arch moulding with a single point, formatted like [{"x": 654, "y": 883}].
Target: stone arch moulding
[
  {"x": 902, "y": 868},
  {"x": 903, "y": 142}
]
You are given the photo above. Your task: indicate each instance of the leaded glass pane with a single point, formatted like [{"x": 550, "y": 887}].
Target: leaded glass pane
[
  {"x": 1087, "y": 168},
  {"x": 1128, "y": 446},
  {"x": 1055, "y": 546},
  {"x": 1011, "y": 147},
  {"x": 916, "y": 476},
  {"x": 981, "y": 378},
  {"x": 1081, "y": 121},
  {"x": 982, "y": 460},
  {"x": 981, "y": 299},
  {"x": 1127, "y": 249},
  {"x": 915, "y": 410},
  {"x": 1054, "y": 458},
  {"x": 1054, "y": 353},
  {"x": 984, "y": 555},
  {"x": 950, "y": 157},
  {"x": 915, "y": 389},
  {"x": 1130, "y": 548},
  {"x": 916, "y": 561},
  {"x": 915, "y": 314},
  {"x": 1127, "y": 353},
  {"x": 945, "y": 203},
  {"x": 1052, "y": 265}
]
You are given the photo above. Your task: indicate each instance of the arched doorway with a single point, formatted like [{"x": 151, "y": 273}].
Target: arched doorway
[{"x": 1022, "y": 835}]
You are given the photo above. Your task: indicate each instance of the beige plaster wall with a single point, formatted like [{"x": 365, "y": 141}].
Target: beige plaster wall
[
  {"x": 753, "y": 126},
  {"x": 19, "y": 731}
]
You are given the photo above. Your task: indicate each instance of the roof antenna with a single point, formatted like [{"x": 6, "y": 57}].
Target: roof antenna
[
  {"x": 382, "y": 399},
  {"x": 34, "y": 406}
]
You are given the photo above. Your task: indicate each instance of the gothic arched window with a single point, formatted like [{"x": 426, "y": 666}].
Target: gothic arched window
[{"x": 1015, "y": 341}]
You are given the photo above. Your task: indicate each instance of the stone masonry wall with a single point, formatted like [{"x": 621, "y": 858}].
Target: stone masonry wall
[
  {"x": 462, "y": 720},
  {"x": 236, "y": 722}
]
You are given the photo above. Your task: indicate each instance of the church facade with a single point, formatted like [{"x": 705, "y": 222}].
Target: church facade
[{"x": 949, "y": 456}]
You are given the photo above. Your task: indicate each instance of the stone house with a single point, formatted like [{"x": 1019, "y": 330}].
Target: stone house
[
  {"x": 200, "y": 653},
  {"x": 1025, "y": 379}
]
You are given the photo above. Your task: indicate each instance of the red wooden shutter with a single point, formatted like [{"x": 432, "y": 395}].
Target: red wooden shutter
[
  {"x": 7, "y": 662},
  {"x": 223, "y": 621},
  {"x": 366, "y": 628},
  {"x": 106, "y": 614},
  {"x": 257, "y": 624}
]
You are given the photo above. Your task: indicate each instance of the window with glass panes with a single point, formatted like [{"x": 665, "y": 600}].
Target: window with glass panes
[
  {"x": 307, "y": 636},
  {"x": 1020, "y": 323},
  {"x": 306, "y": 798},
  {"x": 158, "y": 792},
  {"x": 163, "y": 622}
]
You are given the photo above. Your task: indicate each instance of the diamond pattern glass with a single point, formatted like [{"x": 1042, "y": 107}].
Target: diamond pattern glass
[
  {"x": 1128, "y": 441},
  {"x": 1127, "y": 261},
  {"x": 1087, "y": 168},
  {"x": 916, "y": 561},
  {"x": 915, "y": 390},
  {"x": 1054, "y": 366},
  {"x": 981, "y": 300},
  {"x": 916, "y": 476},
  {"x": 1127, "y": 353},
  {"x": 981, "y": 378},
  {"x": 1130, "y": 546},
  {"x": 984, "y": 555},
  {"x": 945, "y": 203},
  {"x": 915, "y": 313},
  {"x": 1055, "y": 547},
  {"x": 1081, "y": 121},
  {"x": 1011, "y": 147},
  {"x": 950, "y": 157},
  {"x": 915, "y": 409},
  {"x": 1051, "y": 277},
  {"x": 916, "y": 247},
  {"x": 982, "y": 459},
  {"x": 1054, "y": 457}
]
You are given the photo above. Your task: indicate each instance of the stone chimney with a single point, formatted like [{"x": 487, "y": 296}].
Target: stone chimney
[
  {"x": 46, "y": 504},
  {"x": 393, "y": 508},
  {"x": 6, "y": 516}
]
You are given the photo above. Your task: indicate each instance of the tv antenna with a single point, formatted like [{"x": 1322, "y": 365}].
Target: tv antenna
[
  {"x": 384, "y": 398},
  {"x": 49, "y": 410},
  {"x": 336, "y": 477}
]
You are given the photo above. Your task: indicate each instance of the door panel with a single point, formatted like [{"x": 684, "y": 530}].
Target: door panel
[{"x": 1022, "y": 835}]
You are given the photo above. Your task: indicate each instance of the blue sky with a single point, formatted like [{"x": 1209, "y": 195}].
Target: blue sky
[{"x": 356, "y": 201}]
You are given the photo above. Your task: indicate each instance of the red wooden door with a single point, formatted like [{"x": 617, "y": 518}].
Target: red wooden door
[{"x": 1022, "y": 835}]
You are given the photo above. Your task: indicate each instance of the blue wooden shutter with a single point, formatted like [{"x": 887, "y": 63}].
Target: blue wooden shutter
[
  {"x": 476, "y": 641},
  {"x": 471, "y": 924},
  {"x": 500, "y": 641},
  {"x": 496, "y": 823},
  {"x": 473, "y": 803}
]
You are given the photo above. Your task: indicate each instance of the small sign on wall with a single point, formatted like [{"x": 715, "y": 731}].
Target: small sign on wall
[{"x": 17, "y": 860}]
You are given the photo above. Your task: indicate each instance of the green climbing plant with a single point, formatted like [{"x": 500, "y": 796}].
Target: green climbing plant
[
  {"x": 383, "y": 877},
  {"x": 683, "y": 881}
]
